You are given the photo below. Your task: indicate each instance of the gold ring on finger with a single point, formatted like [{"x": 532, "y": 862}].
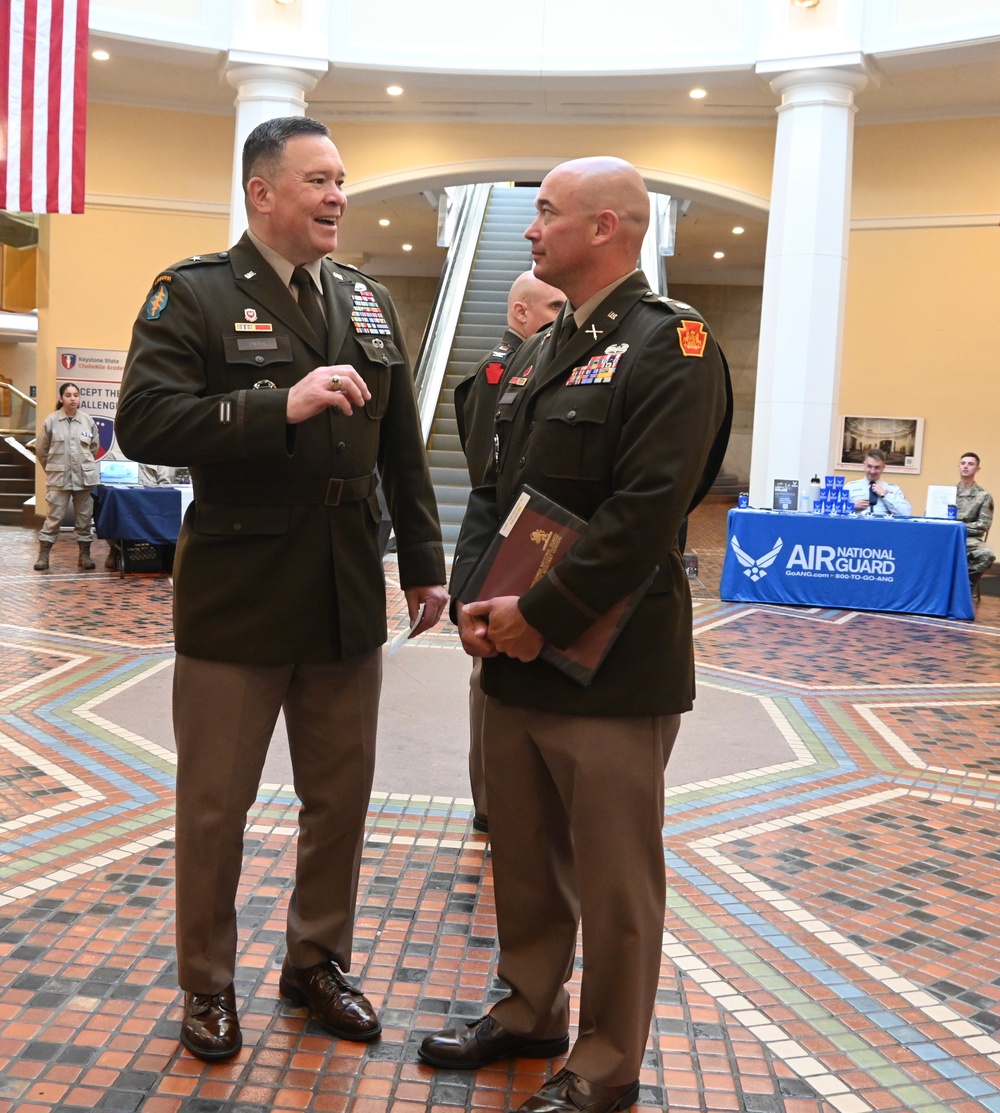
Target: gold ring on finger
[{"x": 335, "y": 382}]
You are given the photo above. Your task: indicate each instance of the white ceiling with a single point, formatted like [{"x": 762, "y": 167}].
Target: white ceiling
[{"x": 904, "y": 86}]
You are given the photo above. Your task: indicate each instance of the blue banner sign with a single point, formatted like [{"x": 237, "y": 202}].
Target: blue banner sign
[{"x": 911, "y": 565}]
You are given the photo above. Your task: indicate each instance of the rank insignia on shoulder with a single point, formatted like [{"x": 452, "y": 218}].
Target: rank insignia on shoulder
[
  {"x": 520, "y": 380},
  {"x": 493, "y": 372},
  {"x": 157, "y": 301},
  {"x": 693, "y": 338}
]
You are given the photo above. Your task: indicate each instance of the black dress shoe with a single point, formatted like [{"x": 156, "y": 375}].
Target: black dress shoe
[
  {"x": 341, "y": 1009},
  {"x": 210, "y": 1028},
  {"x": 480, "y": 823},
  {"x": 482, "y": 1042},
  {"x": 567, "y": 1092}
]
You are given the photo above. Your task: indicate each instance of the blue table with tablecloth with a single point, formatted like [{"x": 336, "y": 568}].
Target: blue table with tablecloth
[
  {"x": 910, "y": 565},
  {"x": 132, "y": 513}
]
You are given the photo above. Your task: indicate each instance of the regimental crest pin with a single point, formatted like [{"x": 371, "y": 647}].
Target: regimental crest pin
[{"x": 250, "y": 314}]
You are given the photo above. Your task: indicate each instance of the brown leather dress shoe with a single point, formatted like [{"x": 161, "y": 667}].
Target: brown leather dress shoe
[
  {"x": 567, "y": 1092},
  {"x": 210, "y": 1028},
  {"x": 484, "y": 1041},
  {"x": 341, "y": 1009}
]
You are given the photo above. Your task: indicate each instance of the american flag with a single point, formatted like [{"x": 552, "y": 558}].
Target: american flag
[{"x": 43, "y": 105}]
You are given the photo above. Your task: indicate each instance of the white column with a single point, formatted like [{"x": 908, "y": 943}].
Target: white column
[
  {"x": 805, "y": 274},
  {"x": 262, "y": 93}
]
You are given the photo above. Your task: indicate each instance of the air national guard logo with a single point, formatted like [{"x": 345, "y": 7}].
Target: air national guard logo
[
  {"x": 754, "y": 566},
  {"x": 366, "y": 315},
  {"x": 600, "y": 369},
  {"x": 693, "y": 338}
]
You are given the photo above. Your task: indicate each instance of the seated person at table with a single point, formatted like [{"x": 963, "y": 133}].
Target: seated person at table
[
  {"x": 155, "y": 475},
  {"x": 974, "y": 506},
  {"x": 872, "y": 495}
]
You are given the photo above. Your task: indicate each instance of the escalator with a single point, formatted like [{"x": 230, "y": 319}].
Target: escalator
[{"x": 501, "y": 254}]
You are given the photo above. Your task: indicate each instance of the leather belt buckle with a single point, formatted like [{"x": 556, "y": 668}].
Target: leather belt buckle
[{"x": 334, "y": 492}]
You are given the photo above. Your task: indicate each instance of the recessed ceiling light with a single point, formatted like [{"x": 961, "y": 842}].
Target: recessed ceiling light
[
  {"x": 100, "y": 55},
  {"x": 394, "y": 90},
  {"x": 698, "y": 94},
  {"x": 407, "y": 246},
  {"x": 738, "y": 230},
  {"x": 385, "y": 222},
  {"x": 719, "y": 255}
]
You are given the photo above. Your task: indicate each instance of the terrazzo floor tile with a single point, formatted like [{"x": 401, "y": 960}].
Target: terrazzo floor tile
[{"x": 830, "y": 941}]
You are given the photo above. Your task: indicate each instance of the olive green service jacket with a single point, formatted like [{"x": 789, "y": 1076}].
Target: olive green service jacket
[
  {"x": 627, "y": 426},
  {"x": 476, "y": 405},
  {"x": 278, "y": 559}
]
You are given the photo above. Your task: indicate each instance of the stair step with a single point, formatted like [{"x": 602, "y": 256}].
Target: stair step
[
  {"x": 450, "y": 476},
  {"x": 502, "y": 253},
  {"x": 445, "y": 442}
]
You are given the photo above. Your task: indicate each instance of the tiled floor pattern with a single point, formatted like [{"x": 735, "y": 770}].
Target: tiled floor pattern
[{"x": 830, "y": 944}]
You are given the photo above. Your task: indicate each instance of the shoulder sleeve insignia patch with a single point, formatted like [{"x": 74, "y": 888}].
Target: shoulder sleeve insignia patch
[
  {"x": 693, "y": 338},
  {"x": 494, "y": 372},
  {"x": 157, "y": 301}
]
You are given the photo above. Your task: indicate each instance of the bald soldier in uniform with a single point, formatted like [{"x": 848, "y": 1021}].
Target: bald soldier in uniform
[
  {"x": 531, "y": 304},
  {"x": 620, "y": 413},
  {"x": 280, "y": 379}
]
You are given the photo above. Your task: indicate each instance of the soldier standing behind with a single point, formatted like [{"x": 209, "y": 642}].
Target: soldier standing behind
[{"x": 531, "y": 304}]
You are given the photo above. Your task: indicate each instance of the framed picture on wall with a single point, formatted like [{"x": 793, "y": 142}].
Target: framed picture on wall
[{"x": 900, "y": 438}]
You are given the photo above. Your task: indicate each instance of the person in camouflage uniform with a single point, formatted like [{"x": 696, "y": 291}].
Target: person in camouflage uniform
[{"x": 974, "y": 506}]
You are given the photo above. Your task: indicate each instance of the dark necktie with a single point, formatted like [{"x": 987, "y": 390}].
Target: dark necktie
[
  {"x": 566, "y": 332},
  {"x": 872, "y": 497},
  {"x": 303, "y": 284}
]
